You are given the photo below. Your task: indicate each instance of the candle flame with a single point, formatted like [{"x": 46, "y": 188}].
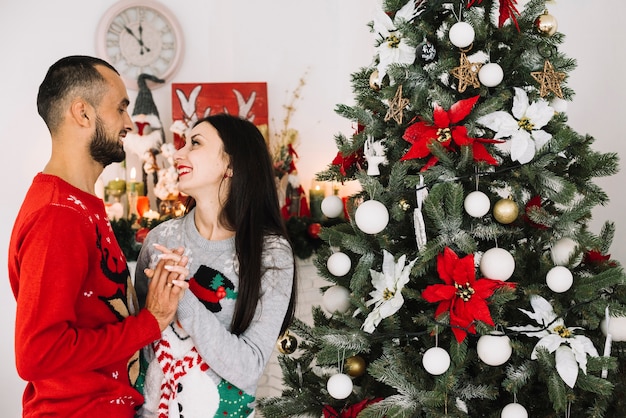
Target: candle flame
[{"x": 133, "y": 174}]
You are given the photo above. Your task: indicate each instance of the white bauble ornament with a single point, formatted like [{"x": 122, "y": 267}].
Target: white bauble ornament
[
  {"x": 490, "y": 74},
  {"x": 494, "y": 349},
  {"x": 461, "y": 34},
  {"x": 477, "y": 204},
  {"x": 332, "y": 206},
  {"x": 559, "y": 279},
  {"x": 436, "y": 361},
  {"x": 562, "y": 250},
  {"x": 514, "y": 410},
  {"x": 339, "y": 264},
  {"x": 497, "y": 264},
  {"x": 617, "y": 328},
  {"x": 371, "y": 217},
  {"x": 339, "y": 386},
  {"x": 336, "y": 299},
  {"x": 559, "y": 105}
]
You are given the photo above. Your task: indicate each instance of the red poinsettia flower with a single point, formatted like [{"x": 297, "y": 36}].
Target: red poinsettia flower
[
  {"x": 346, "y": 162},
  {"x": 507, "y": 10},
  {"x": 446, "y": 131},
  {"x": 350, "y": 412},
  {"x": 462, "y": 295},
  {"x": 534, "y": 203},
  {"x": 596, "y": 257}
]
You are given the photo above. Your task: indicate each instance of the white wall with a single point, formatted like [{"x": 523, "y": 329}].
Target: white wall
[{"x": 276, "y": 41}]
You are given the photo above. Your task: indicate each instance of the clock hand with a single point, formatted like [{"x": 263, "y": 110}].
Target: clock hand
[{"x": 139, "y": 40}]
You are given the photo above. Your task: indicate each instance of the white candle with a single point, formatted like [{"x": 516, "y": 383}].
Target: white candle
[{"x": 151, "y": 214}]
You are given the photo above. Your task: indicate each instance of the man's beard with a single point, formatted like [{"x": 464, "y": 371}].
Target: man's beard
[{"x": 105, "y": 150}]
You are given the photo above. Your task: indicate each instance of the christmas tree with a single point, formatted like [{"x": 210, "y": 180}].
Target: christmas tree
[{"x": 467, "y": 281}]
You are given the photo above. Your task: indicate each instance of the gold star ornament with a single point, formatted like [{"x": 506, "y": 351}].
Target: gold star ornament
[
  {"x": 549, "y": 80},
  {"x": 466, "y": 73},
  {"x": 396, "y": 106}
]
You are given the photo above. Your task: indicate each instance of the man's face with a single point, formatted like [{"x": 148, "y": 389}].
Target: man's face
[{"x": 106, "y": 147}]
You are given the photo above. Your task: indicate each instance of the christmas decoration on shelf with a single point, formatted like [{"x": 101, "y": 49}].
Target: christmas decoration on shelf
[{"x": 481, "y": 210}]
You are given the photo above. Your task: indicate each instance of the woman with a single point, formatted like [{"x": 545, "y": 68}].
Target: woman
[{"x": 242, "y": 270}]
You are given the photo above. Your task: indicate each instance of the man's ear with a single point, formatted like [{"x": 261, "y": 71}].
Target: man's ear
[{"x": 79, "y": 112}]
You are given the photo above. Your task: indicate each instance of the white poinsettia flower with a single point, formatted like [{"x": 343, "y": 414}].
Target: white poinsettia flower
[
  {"x": 570, "y": 349},
  {"x": 394, "y": 49},
  {"x": 387, "y": 294},
  {"x": 524, "y": 126}
]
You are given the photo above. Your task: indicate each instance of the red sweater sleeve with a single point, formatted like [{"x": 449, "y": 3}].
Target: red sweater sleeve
[{"x": 72, "y": 311}]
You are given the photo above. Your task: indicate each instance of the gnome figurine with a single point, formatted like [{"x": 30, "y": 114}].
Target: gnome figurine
[{"x": 146, "y": 139}]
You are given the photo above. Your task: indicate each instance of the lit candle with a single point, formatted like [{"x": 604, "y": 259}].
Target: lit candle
[
  {"x": 143, "y": 205},
  {"x": 151, "y": 215},
  {"x": 134, "y": 185},
  {"x": 116, "y": 186},
  {"x": 316, "y": 195}
]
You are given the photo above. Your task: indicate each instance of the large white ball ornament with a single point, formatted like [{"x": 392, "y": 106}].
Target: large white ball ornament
[
  {"x": 339, "y": 264},
  {"x": 514, "y": 410},
  {"x": 490, "y": 74},
  {"x": 562, "y": 250},
  {"x": 494, "y": 349},
  {"x": 336, "y": 299},
  {"x": 332, "y": 206},
  {"x": 371, "y": 217},
  {"x": 617, "y": 328},
  {"x": 497, "y": 264},
  {"x": 461, "y": 34},
  {"x": 477, "y": 204},
  {"x": 339, "y": 386},
  {"x": 436, "y": 361},
  {"x": 559, "y": 279}
]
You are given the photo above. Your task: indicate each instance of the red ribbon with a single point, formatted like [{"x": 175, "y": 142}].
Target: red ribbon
[{"x": 507, "y": 11}]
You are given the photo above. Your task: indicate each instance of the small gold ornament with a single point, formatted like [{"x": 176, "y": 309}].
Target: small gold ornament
[
  {"x": 549, "y": 80},
  {"x": 355, "y": 366},
  {"x": 466, "y": 73},
  {"x": 374, "y": 80},
  {"x": 396, "y": 106},
  {"x": 505, "y": 211},
  {"x": 287, "y": 343},
  {"x": 546, "y": 23}
]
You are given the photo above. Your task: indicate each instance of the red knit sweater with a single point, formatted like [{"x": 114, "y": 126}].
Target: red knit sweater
[{"x": 76, "y": 343}]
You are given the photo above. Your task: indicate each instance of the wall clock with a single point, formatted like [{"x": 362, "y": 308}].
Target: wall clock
[{"x": 140, "y": 36}]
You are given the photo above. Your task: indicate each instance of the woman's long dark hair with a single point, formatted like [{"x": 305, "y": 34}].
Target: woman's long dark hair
[{"x": 251, "y": 210}]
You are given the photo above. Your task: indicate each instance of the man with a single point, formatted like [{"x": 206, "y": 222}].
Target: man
[{"x": 77, "y": 335}]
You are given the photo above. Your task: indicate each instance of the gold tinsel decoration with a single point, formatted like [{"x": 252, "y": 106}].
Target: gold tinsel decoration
[
  {"x": 466, "y": 73},
  {"x": 396, "y": 106},
  {"x": 549, "y": 80}
]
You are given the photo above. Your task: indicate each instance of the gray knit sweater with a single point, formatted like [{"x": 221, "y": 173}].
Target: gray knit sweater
[{"x": 206, "y": 310}]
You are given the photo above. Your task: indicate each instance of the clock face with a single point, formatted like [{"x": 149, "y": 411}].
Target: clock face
[{"x": 140, "y": 37}]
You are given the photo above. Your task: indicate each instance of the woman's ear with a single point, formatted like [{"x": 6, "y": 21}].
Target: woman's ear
[{"x": 228, "y": 173}]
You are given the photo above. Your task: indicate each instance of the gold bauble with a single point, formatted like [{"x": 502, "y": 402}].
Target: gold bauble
[
  {"x": 505, "y": 211},
  {"x": 546, "y": 24},
  {"x": 354, "y": 366},
  {"x": 374, "y": 80},
  {"x": 287, "y": 343}
]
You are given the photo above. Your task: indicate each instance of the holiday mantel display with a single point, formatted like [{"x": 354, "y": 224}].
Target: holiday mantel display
[{"x": 467, "y": 280}]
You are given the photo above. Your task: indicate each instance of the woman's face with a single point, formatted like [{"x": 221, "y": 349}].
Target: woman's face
[{"x": 202, "y": 163}]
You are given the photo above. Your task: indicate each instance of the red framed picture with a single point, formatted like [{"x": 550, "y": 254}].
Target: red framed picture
[{"x": 193, "y": 101}]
